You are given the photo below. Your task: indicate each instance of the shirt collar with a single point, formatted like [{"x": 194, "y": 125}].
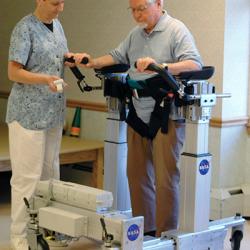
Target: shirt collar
[{"x": 161, "y": 24}]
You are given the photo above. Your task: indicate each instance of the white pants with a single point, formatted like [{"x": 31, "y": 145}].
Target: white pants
[{"x": 34, "y": 156}]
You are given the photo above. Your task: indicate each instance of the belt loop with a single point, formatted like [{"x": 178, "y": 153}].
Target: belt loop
[{"x": 135, "y": 94}]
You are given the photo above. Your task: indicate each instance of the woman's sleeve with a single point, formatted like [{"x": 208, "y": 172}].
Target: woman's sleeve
[{"x": 20, "y": 44}]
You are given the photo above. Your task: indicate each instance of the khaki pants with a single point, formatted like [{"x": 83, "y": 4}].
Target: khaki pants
[
  {"x": 154, "y": 177},
  {"x": 34, "y": 156}
]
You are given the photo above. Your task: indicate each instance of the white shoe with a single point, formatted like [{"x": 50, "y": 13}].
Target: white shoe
[{"x": 19, "y": 243}]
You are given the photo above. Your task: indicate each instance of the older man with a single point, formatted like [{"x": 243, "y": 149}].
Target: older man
[
  {"x": 152, "y": 159},
  {"x": 35, "y": 112}
]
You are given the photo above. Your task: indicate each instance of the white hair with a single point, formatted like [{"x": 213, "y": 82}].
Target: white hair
[{"x": 153, "y": 1}]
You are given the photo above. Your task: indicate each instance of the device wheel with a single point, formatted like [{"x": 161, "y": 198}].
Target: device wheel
[
  {"x": 236, "y": 239},
  {"x": 42, "y": 244}
]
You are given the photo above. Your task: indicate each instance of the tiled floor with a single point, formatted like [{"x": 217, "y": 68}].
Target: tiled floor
[{"x": 83, "y": 244}]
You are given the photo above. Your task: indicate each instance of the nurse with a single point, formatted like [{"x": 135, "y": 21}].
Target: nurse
[{"x": 35, "y": 111}]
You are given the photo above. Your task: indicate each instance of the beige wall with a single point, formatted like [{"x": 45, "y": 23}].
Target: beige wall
[
  {"x": 10, "y": 13},
  {"x": 221, "y": 29},
  {"x": 206, "y": 21},
  {"x": 96, "y": 26}
]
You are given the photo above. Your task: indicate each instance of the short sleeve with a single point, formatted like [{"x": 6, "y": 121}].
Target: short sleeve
[
  {"x": 120, "y": 53},
  {"x": 20, "y": 44},
  {"x": 185, "y": 48}
]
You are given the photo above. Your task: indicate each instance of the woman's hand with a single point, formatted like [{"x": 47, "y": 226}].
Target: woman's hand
[
  {"x": 69, "y": 64},
  {"x": 50, "y": 82}
]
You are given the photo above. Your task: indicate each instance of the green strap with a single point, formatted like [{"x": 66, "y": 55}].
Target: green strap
[{"x": 133, "y": 84}]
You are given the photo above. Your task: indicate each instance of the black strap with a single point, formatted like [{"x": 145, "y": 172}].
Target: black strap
[
  {"x": 158, "y": 119},
  {"x": 143, "y": 93},
  {"x": 117, "y": 89},
  {"x": 166, "y": 112},
  {"x": 156, "y": 88},
  {"x": 136, "y": 123}
]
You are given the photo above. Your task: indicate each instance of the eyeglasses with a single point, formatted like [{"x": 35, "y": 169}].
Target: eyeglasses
[{"x": 139, "y": 9}]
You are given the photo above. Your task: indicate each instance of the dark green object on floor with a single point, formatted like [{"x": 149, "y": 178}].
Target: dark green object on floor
[{"x": 76, "y": 124}]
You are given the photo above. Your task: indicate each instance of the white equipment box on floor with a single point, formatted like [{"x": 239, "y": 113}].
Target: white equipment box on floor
[{"x": 226, "y": 202}]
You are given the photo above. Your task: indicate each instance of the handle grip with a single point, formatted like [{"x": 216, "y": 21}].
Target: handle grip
[
  {"x": 170, "y": 80},
  {"x": 77, "y": 73},
  {"x": 85, "y": 60}
]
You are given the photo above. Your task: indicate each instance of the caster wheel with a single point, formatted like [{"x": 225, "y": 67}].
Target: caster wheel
[
  {"x": 41, "y": 243},
  {"x": 236, "y": 239}
]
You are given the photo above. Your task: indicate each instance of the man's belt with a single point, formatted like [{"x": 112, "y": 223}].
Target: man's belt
[
  {"x": 138, "y": 93},
  {"x": 139, "y": 88},
  {"x": 148, "y": 87}
]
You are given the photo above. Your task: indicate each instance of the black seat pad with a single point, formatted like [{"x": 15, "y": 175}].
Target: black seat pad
[
  {"x": 117, "y": 68},
  {"x": 203, "y": 74}
]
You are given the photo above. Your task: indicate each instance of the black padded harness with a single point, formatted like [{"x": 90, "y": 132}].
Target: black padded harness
[
  {"x": 163, "y": 96},
  {"x": 153, "y": 87}
]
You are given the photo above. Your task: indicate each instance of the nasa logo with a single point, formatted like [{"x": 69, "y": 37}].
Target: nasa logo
[
  {"x": 204, "y": 167},
  {"x": 133, "y": 232}
]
